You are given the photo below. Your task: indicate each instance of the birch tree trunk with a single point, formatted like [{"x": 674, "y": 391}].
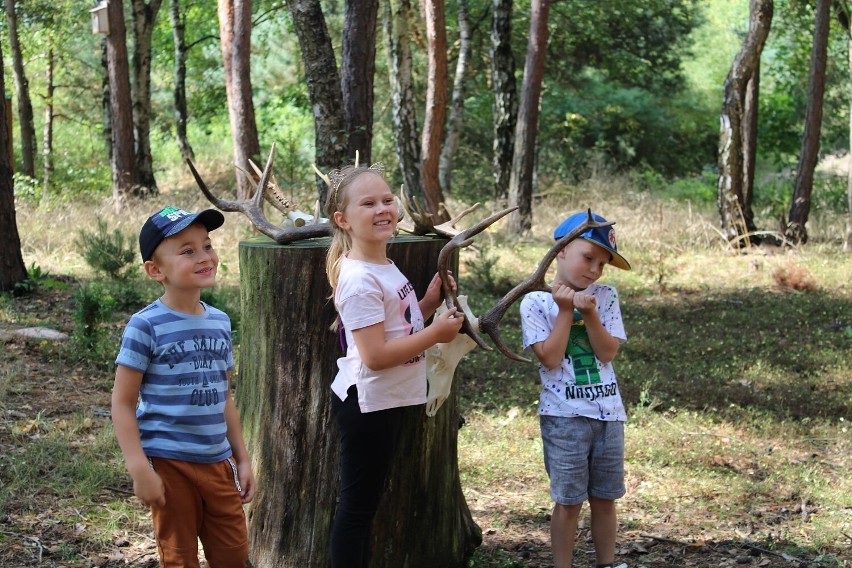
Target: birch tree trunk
[
  {"x": 235, "y": 39},
  {"x": 504, "y": 87},
  {"x": 144, "y": 18},
  {"x": 526, "y": 129},
  {"x": 357, "y": 72},
  {"x": 795, "y": 230},
  {"x": 287, "y": 362},
  {"x": 22, "y": 90},
  {"x": 181, "y": 113},
  {"x": 454, "y": 124},
  {"x": 436, "y": 106},
  {"x": 738, "y": 128},
  {"x": 323, "y": 87},
  {"x": 47, "y": 131},
  {"x": 397, "y": 33}
]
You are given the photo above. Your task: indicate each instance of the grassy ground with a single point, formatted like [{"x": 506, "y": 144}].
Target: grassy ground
[{"x": 736, "y": 376}]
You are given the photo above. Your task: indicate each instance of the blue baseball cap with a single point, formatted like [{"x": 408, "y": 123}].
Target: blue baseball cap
[
  {"x": 604, "y": 237},
  {"x": 170, "y": 221}
]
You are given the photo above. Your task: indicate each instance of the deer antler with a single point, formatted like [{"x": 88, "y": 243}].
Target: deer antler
[
  {"x": 253, "y": 208},
  {"x": 423, "y": 223},
  {"x": 461, "y": 240},
  {"x": 489, "y": 322}
]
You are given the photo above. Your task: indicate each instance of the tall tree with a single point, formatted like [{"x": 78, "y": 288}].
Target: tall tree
[
  {"x": 323, "y": 86},
  {"x": 738, "y": 131},
  {"x": 144, "y": 18},
  {"x": 47, "y": 128},
  {"x": 454, "y": 124},
  {"x": 357, "y": 73},
  {"x": 526, "y": 130},
  {"x": 12, "y": 268},
  {"x": 122, "y": 159},
  {"x": 800, "y": 207},
  {"x": 846, "y": 18},
  {"x": 503, "y": 85},
  {"x": 235, "y": 38},
  {"x": 22, "y": 89},
  {"x": 436, "y": 105},
  {"x": 181, "y": 113},
  {"x": 397, "y": 32}
]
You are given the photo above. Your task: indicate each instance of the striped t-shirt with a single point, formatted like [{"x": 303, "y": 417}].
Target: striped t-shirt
[{"x": 184, "y": 360}]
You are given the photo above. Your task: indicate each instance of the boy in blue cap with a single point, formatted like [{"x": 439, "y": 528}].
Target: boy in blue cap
[
  {"x": 174, "y": 418},
  {"x": 575, "y": 331}
]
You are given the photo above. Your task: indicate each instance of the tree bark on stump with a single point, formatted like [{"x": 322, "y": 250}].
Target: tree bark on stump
[{"x": 287, "y": 362}]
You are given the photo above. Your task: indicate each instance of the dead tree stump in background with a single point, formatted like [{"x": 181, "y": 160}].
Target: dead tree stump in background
[{"x": 287, "y": 361}]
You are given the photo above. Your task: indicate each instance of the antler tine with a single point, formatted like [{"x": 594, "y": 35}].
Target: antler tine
[
  {"x": 448, "y": 228},
  {"x": 253, "y": 209},
  {"x": 272, "y": 192},
  {"x": 461, "y": 240},
  {"x": 489, "y": 321},
  {"x": 322, "y": 176}
]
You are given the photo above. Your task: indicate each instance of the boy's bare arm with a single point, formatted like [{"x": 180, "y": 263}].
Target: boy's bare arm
[
  {"x": 147, "y": 485},
  {"x": 238, "y": 447}
]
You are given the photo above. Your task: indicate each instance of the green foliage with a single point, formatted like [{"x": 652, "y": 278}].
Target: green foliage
[
  {"x": 109, "y": 253},
  {"x": 26, "y": 188},
  {"x": 36, "y": 277}
]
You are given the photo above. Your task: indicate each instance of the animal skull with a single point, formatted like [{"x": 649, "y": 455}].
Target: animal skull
[{"x": 442, "y": 360}]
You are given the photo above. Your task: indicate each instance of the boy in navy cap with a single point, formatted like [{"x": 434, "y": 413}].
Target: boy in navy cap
[
  {"x": 575, "y": 332},
  {"x": 174, "y": 418}
]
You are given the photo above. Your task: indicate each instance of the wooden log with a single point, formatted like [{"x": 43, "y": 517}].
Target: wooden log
[{"x": 287, "y": 361}]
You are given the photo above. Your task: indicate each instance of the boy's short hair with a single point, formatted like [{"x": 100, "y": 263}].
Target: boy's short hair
[
  {"x": 170, "y": 221},
  {"x": 604, "y": 237}
]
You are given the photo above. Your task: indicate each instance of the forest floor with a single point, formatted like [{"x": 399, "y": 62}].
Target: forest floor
[{"x": 66, "y": 500}]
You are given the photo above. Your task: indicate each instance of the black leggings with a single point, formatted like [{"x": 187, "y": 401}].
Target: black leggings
[{"x": 367, "y": 446}]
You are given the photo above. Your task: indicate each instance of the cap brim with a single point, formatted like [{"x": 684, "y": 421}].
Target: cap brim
[
  {"x": 617, "y": 260},
  {"x": 210, "y": 218}
]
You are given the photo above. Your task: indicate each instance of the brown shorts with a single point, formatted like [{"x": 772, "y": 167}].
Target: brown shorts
[{"x": 202, "y": 502}]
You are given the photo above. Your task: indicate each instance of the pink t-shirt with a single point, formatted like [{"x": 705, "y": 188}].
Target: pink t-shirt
[{"x": 367, "y": 294}]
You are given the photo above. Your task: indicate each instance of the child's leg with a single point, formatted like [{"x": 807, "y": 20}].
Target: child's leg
[
  {"x": 223, "y": 533},
  {"x": 603, "y": 529},
  {"x": 367, "y": 445},
  {"x": 176, "y": 523},
  {"x": 563, "y": 533}
]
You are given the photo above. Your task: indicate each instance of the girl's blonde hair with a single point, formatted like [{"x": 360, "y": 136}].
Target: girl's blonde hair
[{"x": 337, "y": 200}]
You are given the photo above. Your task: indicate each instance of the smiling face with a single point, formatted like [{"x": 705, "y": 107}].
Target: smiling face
[
  {"x": 581, "y": 263},
  {"x": 185, "y": 262},
  {"x": 370, "y": 213}
]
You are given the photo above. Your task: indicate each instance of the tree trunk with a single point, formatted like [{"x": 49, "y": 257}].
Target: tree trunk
[
  {"x": 283, "y": 396},
  {"x": 738, "y": 131},
  {"x": 47, "y": 132},
  {"x": 323, "y": 87},
  {"x": 144, "y": 18},
  {"x": 22, "y": 90},
  {"x": 526, "y": 130},
  {"x": 454, "y": 125},
  {"x": 121, "y": 106},
  {"x": 795, "y": 230},
  {"x": 397, "y": 34},
  {"x": 436, "y": 106},
  {"x": 12, "y": 268},
  {"x": 504, "y": 88},
  {"x": 847, "y": 243},
  {"x": 181, "y": 113},
  {"x": 357, "y": 73},
  {"x": 235, "y": 39}
]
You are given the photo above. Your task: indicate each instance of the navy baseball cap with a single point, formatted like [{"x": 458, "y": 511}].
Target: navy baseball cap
[
  {"x": 171, "y": 221},
  {"x": 604, "y": 237}
]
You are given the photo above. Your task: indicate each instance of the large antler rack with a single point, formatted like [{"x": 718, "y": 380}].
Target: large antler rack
[
  {"x": 253, "y": 208},
  {"x": 489, "y": 322},
  {"x": 423, "y": 223}
]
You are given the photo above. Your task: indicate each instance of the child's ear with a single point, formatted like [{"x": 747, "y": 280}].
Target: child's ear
[
  {"x": 153, "y": 271},
  {"x": 340, "y": 220}
]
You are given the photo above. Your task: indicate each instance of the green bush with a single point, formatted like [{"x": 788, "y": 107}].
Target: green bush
[{"x": 109, "y": 253}]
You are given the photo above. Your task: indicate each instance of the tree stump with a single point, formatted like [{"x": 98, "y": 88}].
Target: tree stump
[{"x": 287, "y": 362}]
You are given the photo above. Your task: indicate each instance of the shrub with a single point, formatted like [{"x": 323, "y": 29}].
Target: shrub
[{"x": 109, "y": 253}]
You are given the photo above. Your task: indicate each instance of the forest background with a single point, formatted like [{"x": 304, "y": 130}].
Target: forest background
[{"x": 629, "y": 124}]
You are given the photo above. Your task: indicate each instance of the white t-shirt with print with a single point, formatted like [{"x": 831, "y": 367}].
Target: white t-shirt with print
[
  {"x": 581, "y": 385},
  {"x": 367, "y": 294}
]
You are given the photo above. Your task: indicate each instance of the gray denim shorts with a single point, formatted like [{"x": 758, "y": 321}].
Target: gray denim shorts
[{"x": 583, "y": 457}]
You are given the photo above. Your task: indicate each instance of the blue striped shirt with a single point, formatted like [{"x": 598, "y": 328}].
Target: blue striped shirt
[{"x": 184, "y": 361}]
